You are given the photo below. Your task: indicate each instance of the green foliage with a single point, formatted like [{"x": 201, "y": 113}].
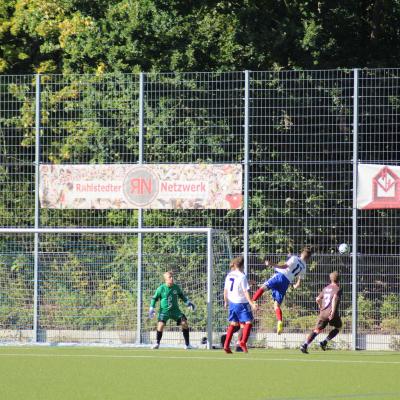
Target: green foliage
[
  {"x": 303, "y": 324},
  {"x": 390, "y": 326},
  {"x": 131, "y": 35},
  {"x": 390, "y": 307},
  {"x": 394, "y": 343},
  {"x": 366, "y": 312},
  {"x": 16, "y": 298}
]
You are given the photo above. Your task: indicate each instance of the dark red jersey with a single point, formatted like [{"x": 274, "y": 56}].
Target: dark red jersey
[{"x": 327, "y": 294}]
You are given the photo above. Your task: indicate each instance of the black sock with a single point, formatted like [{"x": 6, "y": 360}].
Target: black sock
[
  {"x": 311, "y": 337},
  {"x": 186, "y": 336},
  {"x": 332, "y": 334},
  {"x": 159, "y": 336}
]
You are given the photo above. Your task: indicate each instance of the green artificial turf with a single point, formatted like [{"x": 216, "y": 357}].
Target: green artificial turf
[{"x": 60, "y": 373}]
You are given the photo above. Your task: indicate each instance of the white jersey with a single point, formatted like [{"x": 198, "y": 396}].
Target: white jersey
[
  {"x": 236, "y": 284},
  {"x": 296, "y": 267}
]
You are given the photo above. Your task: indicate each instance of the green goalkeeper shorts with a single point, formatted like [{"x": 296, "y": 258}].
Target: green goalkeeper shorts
[{"x": 176, "y": 315}]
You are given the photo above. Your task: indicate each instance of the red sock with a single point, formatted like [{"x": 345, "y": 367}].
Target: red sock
[
  {"x": 258, "y": 294},
  {"x": 278, "y": 313},
  {"x": 229, "y": 334},
  {"x": 246, "y": 332}
]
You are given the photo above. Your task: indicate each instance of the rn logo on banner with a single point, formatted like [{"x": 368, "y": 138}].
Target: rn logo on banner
[
  {"x": 378, "y": 186},
  {"x": 141, "y": 186}
]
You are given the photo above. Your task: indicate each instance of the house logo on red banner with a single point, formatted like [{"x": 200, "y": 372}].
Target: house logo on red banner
[{"x": 385, "y": 189}]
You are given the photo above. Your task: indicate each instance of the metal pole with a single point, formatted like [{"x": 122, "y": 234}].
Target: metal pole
[
  {"x": 246, "y": 172},
  {"x": 141, "y": 116},
  {"x": 140, "y": 218},
  {"x": 37, "y": 215},
  {"x": 209, "y": 289},
  {"x": 354, "y": 216}
]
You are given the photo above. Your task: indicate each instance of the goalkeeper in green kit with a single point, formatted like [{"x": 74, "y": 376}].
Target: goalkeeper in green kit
[{"x": 168, "y": 294}]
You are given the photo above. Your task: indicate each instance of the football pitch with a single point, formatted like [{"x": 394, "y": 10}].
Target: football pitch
[{"x": 59, "y": 373}]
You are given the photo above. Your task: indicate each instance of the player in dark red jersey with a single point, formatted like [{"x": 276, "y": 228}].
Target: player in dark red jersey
[{"x": 328, "y": 301}]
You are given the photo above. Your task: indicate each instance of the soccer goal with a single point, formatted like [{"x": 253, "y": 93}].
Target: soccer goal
[{"x": 94, "y": 285}]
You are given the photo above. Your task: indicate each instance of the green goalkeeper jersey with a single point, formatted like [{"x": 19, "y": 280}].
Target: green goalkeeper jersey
[{"x": 168, "y": 297}]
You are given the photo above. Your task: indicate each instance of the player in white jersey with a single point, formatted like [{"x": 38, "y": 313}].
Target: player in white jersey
[
  {"x": 294, "y": 268},
  {"x": 236, "y": 294}
]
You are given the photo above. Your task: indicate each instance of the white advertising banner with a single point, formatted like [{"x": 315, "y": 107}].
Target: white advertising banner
[
  {"x": 378, "y": 186},
  {"x": 153, "y": 186}
]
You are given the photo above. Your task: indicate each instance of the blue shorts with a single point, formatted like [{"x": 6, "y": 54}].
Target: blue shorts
[
  {"x": 240, "y": 312},
  {"x": 278, "y": 284}
]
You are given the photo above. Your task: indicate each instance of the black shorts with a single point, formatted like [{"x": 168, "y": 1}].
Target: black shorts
[{"x": 324, "y": 321}]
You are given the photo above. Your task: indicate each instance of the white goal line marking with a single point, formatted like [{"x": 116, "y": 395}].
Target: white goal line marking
[
  {"x": 162, "y": 357},
  {"x": 380, "y": 396}
]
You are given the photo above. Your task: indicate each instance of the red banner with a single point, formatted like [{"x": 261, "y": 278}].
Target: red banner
[{"x": 378, "y": 186}]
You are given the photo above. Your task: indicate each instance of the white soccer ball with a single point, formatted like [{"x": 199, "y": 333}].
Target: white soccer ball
[{"x": 344, "y": 248}]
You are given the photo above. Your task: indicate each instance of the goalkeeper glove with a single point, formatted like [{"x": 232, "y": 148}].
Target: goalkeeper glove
[
  {"x": 152, "y": 312},
  {"x": 191, "y": 306}
]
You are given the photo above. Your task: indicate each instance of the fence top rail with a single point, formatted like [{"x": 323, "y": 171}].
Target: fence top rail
[
  {"x": 107, "y": 230},
  {"x": 215, "y": 73}
]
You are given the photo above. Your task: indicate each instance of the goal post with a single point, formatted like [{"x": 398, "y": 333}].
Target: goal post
[{"x": 86, "y": 289}]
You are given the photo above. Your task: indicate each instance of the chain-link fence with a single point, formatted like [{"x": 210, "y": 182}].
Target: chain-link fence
[{"x": 299, "y": 136}]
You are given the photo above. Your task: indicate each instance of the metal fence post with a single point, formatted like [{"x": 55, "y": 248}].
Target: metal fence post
[
  {"x": 37, "y": 213},
  {"x": 246, "y": 172},
  {"x": 354, "y": 325},
  {"x": 140, "y": 217},
  {"x": 209, "y": 289}
]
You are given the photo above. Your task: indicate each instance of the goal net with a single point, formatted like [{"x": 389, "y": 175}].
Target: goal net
[{"x": 94, "y": 286}]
